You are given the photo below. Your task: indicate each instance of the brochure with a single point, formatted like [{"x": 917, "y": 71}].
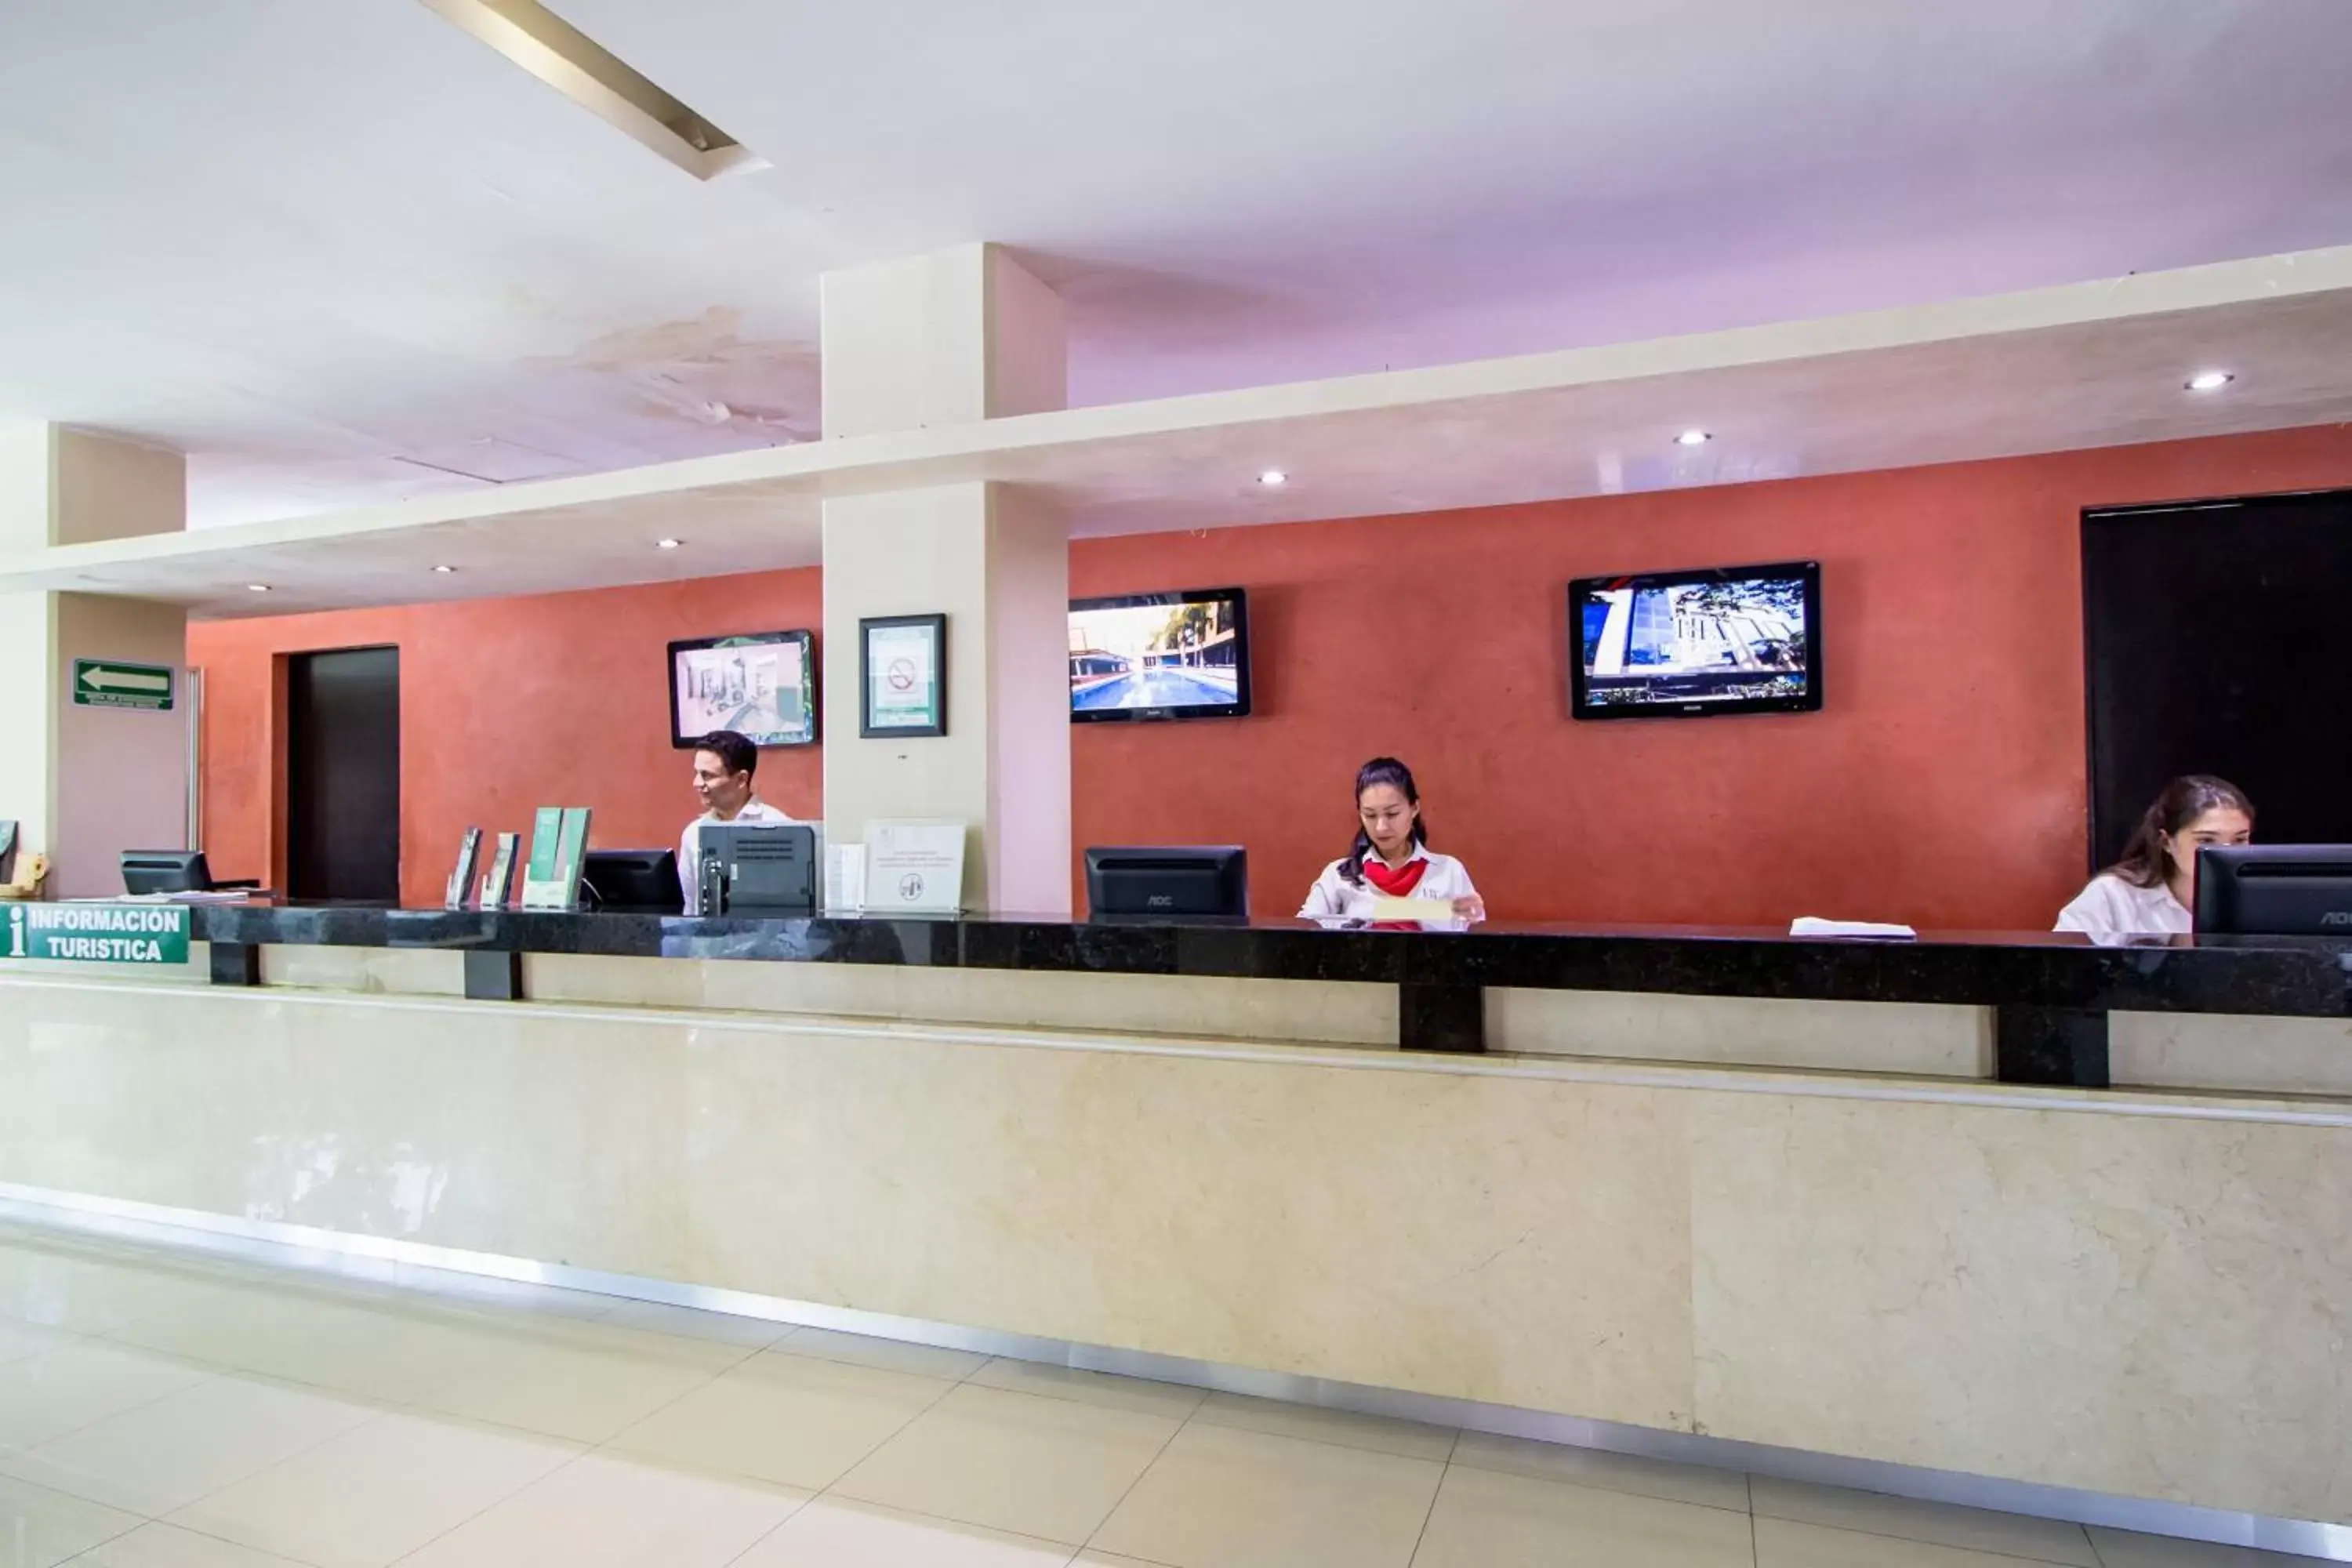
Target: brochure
[{"x": 469, "y": 851}]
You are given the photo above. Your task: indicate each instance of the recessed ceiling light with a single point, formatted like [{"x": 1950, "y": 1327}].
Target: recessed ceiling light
[
  {"x": 667, "y": 543},
  {"x": 2211, "y": 380},
  {"x": 1692, "y": 438},
  {"x": 257, "y": 588},
  {"x": 1272, "y": 477},
  {"x": 445, "y": 571}
]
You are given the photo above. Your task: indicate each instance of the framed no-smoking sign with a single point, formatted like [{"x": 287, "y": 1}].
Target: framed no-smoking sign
[{"x": 903, "y": 670}]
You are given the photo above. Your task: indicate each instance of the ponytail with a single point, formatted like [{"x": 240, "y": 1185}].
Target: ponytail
[
  {"x": 2184, "y": 800},
  {"x": 1382, "y": 771}
]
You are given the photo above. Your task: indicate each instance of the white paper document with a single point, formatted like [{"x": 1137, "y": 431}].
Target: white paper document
[
  {"x": 1809, "y": 925},
  {"x": 845, "y": 878},
  {"x": 191, "y": 896},
  {"x": 1388, "y": 909}
]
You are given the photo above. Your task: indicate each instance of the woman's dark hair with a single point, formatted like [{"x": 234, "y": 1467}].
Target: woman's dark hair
[
  {"x": 2184, "y": 800},
  {"x": 1380, "y": 771},
  {"x": 737, "y": 753}
]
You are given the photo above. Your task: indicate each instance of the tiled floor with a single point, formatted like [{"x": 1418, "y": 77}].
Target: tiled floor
[{"x": 160, "y": 1409}]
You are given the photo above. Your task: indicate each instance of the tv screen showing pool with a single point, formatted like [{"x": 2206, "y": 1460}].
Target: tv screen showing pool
[
  {"x": 1722, "y": 640},
  {"x": 1159, "y": 656}
]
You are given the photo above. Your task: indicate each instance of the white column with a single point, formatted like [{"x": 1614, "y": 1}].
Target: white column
[
  {"x": 953, "y": 338},
  {"x": 84, "y": 783}
]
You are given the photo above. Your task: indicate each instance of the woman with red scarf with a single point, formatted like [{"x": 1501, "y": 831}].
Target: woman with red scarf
[{"x": 1390, "y": 859}]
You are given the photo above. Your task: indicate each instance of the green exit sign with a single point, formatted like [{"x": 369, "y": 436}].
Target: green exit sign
[{"x": 111, "y": 683}]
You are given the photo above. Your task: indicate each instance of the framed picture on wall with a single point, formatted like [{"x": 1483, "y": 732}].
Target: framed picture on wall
[
  {"x": 902, "y": 665},
  {"x": 762, "y": 686}
]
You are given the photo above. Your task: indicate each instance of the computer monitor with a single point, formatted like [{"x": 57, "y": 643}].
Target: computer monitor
[
  {"x": 165, "y": 871},
  {"x": 1188, "y": 882},
  {"x": 2274, "y": 889},
  {"x": 641, "y": 881}
]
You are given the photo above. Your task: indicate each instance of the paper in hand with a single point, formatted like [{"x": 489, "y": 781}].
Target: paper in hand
[{"x": 1388, "y": 909}]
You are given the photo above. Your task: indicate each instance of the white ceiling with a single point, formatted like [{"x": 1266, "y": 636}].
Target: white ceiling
[
  {"x": 335, "y": 249},
  {"x": 2076, "y": 367}
]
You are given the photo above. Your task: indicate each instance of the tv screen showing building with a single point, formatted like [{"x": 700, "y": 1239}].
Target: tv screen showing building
[
  {"x": 1159, "y": 656},
  {"x": 763, "y": 686},
  {"x": 1692, "y": 642}
]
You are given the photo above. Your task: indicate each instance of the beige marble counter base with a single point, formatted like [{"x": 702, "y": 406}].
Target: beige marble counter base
[
  {"x": 2207, "y": 1050},
  {"x": 2136, "y": 1294}
]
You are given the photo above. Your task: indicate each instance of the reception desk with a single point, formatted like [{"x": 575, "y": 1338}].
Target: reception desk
[{"x": 2006, "y": 1206}]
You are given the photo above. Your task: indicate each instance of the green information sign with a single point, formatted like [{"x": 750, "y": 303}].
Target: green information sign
[
  {"x": 96, "y": 934},
  {"x": 111, "y": 683}
]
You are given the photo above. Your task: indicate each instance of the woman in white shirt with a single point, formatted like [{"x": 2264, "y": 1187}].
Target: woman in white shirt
[
  {"x": 1390, "y": 859},
  {"x": 2151, "y": 891}
]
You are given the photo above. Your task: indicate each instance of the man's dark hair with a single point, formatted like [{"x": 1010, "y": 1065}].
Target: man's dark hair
[{"x": 739, "y": 755}]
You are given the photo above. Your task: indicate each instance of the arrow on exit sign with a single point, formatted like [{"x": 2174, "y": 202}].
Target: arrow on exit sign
[{"x": 108, "y": 683}]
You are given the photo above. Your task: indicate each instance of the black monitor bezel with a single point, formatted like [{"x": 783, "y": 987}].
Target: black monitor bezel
[
  {"x": 1236, "y": 710},
  {"x": 187, "y": 868},
  {"x": 1230, "y": 861},
  {"x": 807, "y": 639},
  {"x": 673, "y": 900},
  {"x": 1579, "y": 703},
  {"x": 2222, "y": 875}
]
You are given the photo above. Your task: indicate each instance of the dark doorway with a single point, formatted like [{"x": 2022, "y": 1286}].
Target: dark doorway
[
  {"x": 2218, "y": 640},
  {"x": 342, "y": 774}
]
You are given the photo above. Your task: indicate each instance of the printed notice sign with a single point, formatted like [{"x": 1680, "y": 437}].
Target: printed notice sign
[
  {"x": 97, "y": 933},
  {"x": 111, "y": 683},
  {"x": 905, "y": 683},
  {"x": 914, "y": 867}
]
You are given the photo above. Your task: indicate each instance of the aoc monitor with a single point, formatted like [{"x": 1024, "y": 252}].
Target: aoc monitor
[
  {"x": 1729, "y": 639},
  {"x": 1159, "y": 656},
  {"x": 762, "y": 687},
  {"x": 638, "y": 882},
  {"x": 2274, "y": 889},
  {"x": 1206, "y": 882}
]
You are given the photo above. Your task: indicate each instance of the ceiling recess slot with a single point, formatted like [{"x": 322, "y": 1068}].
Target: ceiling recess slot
[{"x": 599, "y": 82}]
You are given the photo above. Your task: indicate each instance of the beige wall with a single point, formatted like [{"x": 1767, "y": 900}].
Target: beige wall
[
  {"x": 122, "y": 774},
  {"x": 953, "y": 338},
  {"x": 107, "y": 487},
  {"x": 28, "y": 717},
  {"x": 992, "y": 563},
  {"x": 950, "y": 338},
  {"x": 86, "y": 783},
  {"x": 2144, "y": 1294}
]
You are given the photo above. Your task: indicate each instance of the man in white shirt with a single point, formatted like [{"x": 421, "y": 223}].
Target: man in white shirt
[{"x": 724, "y": 763}]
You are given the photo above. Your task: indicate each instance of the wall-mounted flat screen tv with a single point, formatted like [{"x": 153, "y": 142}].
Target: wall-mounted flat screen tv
[
  {"x": 1159, "y": 656},
  {"x": 763, "y": 686},
  {"x": 1729, "y": 639}
]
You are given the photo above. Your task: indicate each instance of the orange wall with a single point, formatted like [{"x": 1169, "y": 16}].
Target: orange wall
[
  {"x": 1943, "y": 783},
  {"x": 505, "y": 704}
]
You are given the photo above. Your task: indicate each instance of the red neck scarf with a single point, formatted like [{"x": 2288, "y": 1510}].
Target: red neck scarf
[{"x": 1395, "y": 884}]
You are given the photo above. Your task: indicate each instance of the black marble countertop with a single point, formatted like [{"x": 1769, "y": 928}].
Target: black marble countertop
[{"x": 2308, "y": 977}]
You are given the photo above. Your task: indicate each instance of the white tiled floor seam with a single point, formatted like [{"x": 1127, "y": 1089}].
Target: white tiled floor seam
[
  {"x": 535, "y": 1316},
  {"x": 576, "y": 1458},
  {"x": 1128, "y": 1490},
  {"x": 1195, "y": 1417}
]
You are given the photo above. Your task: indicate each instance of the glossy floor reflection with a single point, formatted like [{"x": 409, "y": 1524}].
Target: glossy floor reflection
[{"x": 164, "y": 1409}]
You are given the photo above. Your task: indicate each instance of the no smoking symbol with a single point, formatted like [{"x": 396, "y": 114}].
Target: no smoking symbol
[{"x": 901, "y": 675}]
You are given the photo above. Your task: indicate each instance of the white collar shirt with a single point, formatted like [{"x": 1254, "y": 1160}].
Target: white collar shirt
[
  {"x": 1333, "y": 897},
  {"x": 2111, "y": 908}
]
